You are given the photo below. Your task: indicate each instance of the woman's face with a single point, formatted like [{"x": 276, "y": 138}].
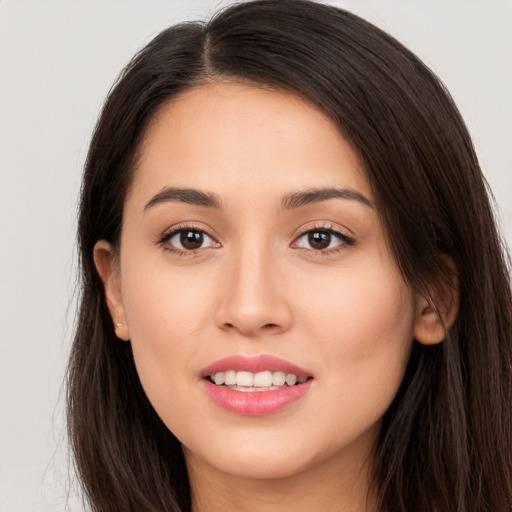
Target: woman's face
[{"x": 251, "y": 251}]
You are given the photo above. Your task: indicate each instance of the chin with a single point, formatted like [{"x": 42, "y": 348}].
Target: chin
[
  {"x": 264, "y": 457},
  {"x": 263, "y": 466}
]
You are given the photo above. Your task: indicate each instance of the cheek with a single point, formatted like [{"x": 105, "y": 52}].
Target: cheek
[
  {"x": 362, "y": 325},
  {"x": 162, "y": 301},
  {"x": 364, "y": 301},
  {"x": 361, "y": 331},
  {"x": 166, "y": 311}
]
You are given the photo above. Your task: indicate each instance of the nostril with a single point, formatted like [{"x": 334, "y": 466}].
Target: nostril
[{"x": 251, "y": 330}]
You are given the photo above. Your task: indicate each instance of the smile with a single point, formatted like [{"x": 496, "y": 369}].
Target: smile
[
  {"x": 261, "y": 381},
  {"x": 255, "y": 385}
]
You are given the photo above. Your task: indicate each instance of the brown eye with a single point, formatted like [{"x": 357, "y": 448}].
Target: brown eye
[
  {"x": 190, "y": 240},
  {"x": 322, "y": 240},
  {"x": 319, "y": 239}
]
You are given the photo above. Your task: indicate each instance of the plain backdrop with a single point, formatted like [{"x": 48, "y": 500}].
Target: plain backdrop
[{"x": 58, "y": 60}]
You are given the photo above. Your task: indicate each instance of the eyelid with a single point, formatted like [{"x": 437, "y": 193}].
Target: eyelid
[
  {"x": 345, "y": 239},
  {"x": 168, "y": 234}
]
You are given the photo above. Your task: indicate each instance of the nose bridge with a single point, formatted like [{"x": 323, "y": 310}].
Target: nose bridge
[{"x": 252, "y": 300}]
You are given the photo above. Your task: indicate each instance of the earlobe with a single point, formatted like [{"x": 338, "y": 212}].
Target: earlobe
[
  {"x": 107, "y": 267},
  {"x": 437, "y": 309},
  {"x": 430, "y": 327}
]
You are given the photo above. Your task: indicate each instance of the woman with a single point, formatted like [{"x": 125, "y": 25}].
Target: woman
[{"x": 294, "y": 295}]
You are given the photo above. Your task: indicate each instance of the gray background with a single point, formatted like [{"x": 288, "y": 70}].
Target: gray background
[{"x": 58, "y": 60}]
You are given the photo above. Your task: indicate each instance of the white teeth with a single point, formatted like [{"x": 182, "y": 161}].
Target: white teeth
[
  {"x": 244, "y": 378},
  {"x": 230, "y": 378},
  {"x": 219, "y": 378},
  {"x": 291, "y": 379},
  {"x": 265, "y": 379},
  {"x": 262, "y": 379},
  {"x": 279, "y": 378}
]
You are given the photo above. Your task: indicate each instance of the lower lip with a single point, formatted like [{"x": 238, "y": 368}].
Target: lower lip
[{"x": 256, "y": 403}]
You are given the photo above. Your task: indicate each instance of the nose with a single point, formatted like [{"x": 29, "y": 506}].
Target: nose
[{"x": 253, "y": 301}]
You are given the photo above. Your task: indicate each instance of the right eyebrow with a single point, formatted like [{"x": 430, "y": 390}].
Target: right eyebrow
[{"x": 184, "y": 195}]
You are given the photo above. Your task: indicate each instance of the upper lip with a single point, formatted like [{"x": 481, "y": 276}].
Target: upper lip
[{"x": 254, "y": 364}]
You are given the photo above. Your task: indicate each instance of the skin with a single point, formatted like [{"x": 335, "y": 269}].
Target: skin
[{"x": 256, "y": 286}]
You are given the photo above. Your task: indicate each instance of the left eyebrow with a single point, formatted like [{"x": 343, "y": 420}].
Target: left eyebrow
[{"x": 317, "y": 195}]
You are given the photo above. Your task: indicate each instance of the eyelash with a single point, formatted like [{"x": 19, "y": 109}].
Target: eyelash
[
  {"x": 345, "y": 241},
  {"x": 168, "y": 235}
]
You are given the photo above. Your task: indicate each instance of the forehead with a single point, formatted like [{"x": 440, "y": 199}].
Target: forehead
[{"x": 230, "y": 136}]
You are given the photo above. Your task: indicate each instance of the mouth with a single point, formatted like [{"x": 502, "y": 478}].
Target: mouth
[
  {"x": 255, "y": 385},
  {"x": 248, "y": 382}
]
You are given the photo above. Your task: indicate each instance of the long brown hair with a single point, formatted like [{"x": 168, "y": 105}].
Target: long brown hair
[{"x": 445, "y": 443}]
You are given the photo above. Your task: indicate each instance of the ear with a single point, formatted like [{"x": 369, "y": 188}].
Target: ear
[
  {"x": 437, "y": 308},
  {"x": 108, "y": 269}
]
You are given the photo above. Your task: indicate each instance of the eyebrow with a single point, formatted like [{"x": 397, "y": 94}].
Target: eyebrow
[
  {"x": 185, "y": 195},
  {"x": 317, "y": 195},
  {"x": 290, "y": 201}
]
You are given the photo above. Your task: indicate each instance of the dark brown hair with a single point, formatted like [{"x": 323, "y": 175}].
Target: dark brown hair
[{"x": 445, "y": 443}]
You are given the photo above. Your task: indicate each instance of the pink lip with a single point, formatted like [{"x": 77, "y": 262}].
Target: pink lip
[
  {"x": 255, "y": 403},
  {"x": 254, "y": 364}
]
